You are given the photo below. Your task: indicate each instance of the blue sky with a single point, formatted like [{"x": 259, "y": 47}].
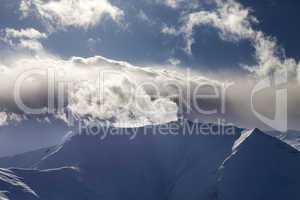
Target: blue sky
[
  {"x": 231, "y": 44},
  {"x": 244, "y": 40},
  {"x": 137, "y": 37}
]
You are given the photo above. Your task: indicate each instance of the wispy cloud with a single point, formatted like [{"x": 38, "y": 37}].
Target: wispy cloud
[
  {"x": 169, "y": 30},
  {"x": 176, "y": 4},
  {"x": 235, "y": 23}
]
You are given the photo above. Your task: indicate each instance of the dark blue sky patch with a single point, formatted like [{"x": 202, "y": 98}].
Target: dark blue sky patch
[{"x": 279, "y": 19}]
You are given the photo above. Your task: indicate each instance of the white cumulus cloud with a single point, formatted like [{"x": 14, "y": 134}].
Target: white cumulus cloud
[
  {"x": 70, "y": 13},
  {"x": 23, "y": 39},
  {"x": 29, "y": 33}
]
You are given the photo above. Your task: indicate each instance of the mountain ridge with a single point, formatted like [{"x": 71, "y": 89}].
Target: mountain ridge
[{"x": 167, "y": 167}]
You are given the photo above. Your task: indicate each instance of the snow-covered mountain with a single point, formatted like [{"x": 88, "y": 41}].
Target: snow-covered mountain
[
  {"x": 171, "y": 165},
  {"x": 25, "y": 160},
  {"x": 261, "y": 167},
  {"x": 291, "y": 137},
  {"x": 13, "y": 187},
  {"x": 31, "y": 134}
]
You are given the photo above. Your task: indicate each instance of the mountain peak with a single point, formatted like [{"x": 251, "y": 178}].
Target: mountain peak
[{"x": 160, "y": 166}]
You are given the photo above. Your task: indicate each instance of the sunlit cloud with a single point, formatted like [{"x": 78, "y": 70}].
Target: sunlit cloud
[
  {"x": 70, "y": 13},
  {"x": 23, "y": 39}
]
